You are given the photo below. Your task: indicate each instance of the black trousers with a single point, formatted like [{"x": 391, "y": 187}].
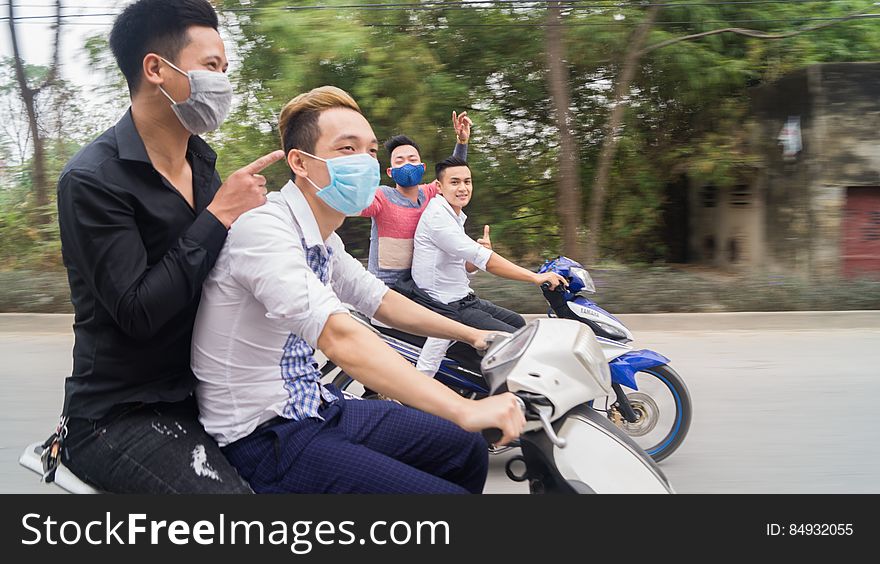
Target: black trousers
[
  {"x": 149, "y": 448},
  {"x": 483, "y": 314}
]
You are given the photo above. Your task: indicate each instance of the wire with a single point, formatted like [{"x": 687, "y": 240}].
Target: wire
[
  {"x": 567, "y": 4},
  {"x": 459, "y": 5},
  {"x": 603, "y": 24},
  {"x": 30, "y": 19}
]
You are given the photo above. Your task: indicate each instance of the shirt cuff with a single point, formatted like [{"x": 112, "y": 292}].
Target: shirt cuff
[
  {"x": 312, "y": 332},
  {"x": 208, "y": 232},
  {"x": 376, "y": 299},
  {"x": 481, "y": 259}
]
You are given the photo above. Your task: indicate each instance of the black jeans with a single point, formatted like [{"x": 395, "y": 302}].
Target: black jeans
[
  {"x": 483, "y": 314},
  {"x": 149, "y": 448}
]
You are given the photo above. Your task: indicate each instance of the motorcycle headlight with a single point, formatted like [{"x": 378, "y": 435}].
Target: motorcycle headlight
[
  {"x": 588, "y": 353},
  {"x": 500, "y": 359},
  {"x": 612, "y": 330},
  {"x": 585, "y": 277}
]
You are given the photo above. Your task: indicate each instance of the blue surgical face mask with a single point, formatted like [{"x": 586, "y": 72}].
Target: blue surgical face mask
[
  {"x": 408, "y": 174},
  {"x": 353, "y": 182}
]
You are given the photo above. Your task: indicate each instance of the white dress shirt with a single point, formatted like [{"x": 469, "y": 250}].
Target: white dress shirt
[
  {"x": 440, "y": 250},
  {"x": 261, "y": 296}
]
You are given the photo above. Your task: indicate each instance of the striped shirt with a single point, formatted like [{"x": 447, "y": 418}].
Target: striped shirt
[{"x": 395, "y": 218}]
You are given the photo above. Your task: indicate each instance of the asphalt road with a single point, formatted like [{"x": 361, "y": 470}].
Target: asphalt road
[{"x": 783, "y": 403}]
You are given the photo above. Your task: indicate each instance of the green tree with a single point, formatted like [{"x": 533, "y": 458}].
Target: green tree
[{"x": 29, "y": 93}]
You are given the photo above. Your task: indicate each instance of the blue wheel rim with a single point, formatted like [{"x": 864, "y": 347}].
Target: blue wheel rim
[{"x": 678, "y": 413}]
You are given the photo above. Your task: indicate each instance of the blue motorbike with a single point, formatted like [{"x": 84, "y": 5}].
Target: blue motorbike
[{"x": 649, "y": 401}]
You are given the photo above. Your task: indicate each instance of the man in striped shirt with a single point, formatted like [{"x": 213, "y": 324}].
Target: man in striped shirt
[{"x": 396, "y": 210}]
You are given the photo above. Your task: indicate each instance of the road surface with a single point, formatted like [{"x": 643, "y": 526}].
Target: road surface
[{"x": 783, "y": 403}]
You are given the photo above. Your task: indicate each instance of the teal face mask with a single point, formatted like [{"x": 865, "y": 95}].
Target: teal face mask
[{"x": 353, "y": 182}]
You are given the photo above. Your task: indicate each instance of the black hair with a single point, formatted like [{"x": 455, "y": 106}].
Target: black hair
[
  {"x": 448, "y": 162},
  {"x": 155, "y": 26},
  {"x": 400, "y": 141}
]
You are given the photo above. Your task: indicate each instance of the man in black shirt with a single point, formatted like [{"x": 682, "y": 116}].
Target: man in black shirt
[{"x": 143, "y": 216}]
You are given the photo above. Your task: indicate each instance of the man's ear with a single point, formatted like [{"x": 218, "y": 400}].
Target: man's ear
[
  {"x": 296, "y": 163},
  {"x": 150, "y": 66},
  {"x": 388, "y": 172}
]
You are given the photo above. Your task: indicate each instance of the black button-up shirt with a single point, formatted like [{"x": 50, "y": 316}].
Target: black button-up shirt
[{"x": 136, "y": 255}]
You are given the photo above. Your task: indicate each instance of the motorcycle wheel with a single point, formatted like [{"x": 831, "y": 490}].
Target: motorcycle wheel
[{"x": 663, "y": 406}]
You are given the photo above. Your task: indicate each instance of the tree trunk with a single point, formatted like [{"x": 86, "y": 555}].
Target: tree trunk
[
  {"x": 612, "y": 132},
  {"x": 28, "y": 97},
  {"x": 568, "y": 202}
]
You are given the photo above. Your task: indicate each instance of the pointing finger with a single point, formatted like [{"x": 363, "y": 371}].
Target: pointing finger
[
  {"x": 263, "y": 162},
  {"x": 485, "y": 232}
]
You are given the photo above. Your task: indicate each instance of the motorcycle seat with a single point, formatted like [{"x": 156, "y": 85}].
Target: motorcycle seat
[{"x": 64, "y": 478}]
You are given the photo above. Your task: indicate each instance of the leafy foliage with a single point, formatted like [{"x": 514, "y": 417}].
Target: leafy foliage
[{"x": 409, "y": 68}]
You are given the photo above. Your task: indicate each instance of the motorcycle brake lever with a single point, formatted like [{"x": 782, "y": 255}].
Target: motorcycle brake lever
[{"x": 544, "y": 416}]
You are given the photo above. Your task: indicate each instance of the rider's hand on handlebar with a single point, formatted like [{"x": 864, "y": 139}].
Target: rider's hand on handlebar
[
  {"x": 481, "y": 338},
  {"x": 502, "y": 412},
  {"x": 550, "y": 278},
  {"x": 243, "y": 190}
]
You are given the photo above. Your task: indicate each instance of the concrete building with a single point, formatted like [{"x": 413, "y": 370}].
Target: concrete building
[{"x": 812, "y": 207}]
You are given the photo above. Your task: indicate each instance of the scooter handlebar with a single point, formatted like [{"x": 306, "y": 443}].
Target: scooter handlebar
[
  {"x": 546, "y": 287},
  {"x": 492, "y": 436}
]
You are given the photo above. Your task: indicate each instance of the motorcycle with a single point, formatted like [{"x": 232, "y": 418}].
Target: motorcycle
[{"x": 656, "y": 414}]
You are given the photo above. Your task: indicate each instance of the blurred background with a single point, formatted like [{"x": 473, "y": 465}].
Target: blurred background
[{"x": 696, "y": 155}]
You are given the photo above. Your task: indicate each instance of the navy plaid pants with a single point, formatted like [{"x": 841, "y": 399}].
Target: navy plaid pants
[{"x": 362, "y": 446}]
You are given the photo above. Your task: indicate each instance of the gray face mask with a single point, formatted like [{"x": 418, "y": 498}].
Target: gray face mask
[{"x": 210, "y": 97}]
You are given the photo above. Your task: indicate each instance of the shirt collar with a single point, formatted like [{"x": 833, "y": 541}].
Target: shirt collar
[
  {"x": 460, "y": 217},
  {"x": 302, "y": 214},
  {"x": 128, "y": 140},
  {"x": 131, "y": 146}
]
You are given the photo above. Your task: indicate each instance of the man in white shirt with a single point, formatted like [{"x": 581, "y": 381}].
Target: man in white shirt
[
  {"x": 276, "y": 293},
  {"x": 444, "y": 258}
]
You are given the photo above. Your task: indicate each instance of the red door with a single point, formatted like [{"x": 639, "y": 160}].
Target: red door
[{"x": 861, "y": 232}]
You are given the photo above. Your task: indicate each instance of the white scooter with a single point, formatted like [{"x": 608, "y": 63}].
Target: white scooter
[{"x": 555, "y": 367}]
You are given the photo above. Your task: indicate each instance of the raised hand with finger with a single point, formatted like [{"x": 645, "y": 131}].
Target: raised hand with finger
[
  {"x": 244, "y": 190},
  {"x": 485, "y": 240},
  {"x": 462, "y": 124}
]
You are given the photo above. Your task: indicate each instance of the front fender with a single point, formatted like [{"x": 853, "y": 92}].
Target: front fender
[
  {"x": 604, "y": 458},
  {"x": 624, "y": 367}
]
